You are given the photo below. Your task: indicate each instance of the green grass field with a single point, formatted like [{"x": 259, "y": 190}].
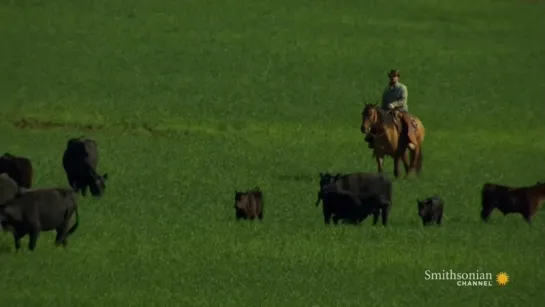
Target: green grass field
[{"x": 191, "y": 100}]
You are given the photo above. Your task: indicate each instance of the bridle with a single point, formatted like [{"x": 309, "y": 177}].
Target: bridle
[{"x": 373, "y": 124}]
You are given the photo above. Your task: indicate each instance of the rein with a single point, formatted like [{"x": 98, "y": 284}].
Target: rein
[
  {"x": 378, "y": 124},
  {"x": 377, "y": 135}
]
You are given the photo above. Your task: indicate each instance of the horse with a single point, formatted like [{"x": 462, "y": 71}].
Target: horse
[{"x": 394, "y": 137}]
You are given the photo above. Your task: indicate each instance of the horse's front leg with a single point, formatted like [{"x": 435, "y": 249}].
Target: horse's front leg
[
  {"x": 397, "y": 157},
  {"x": 380, "y": 162}
]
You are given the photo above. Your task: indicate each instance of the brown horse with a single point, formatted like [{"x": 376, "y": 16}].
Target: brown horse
[{"x": 394, "y": 136}]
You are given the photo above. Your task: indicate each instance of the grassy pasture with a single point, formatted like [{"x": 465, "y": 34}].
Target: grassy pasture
[{"x": 190, "y": 100}]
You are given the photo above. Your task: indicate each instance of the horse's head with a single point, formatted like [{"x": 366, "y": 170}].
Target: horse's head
[{"x": 369, "y": 117}]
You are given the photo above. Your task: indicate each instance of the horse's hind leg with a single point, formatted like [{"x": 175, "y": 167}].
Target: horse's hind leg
[
  {"x": 414, "y": 158},
  {"x": 396, "y": 165},
  {"x": 405, "y": 159}
]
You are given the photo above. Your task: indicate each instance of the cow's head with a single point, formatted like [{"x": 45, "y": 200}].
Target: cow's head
[
  {"x": 423, "y": 207},
  {"x": 98, "y": 184},
  {"x": 325, "y": 180},
  {"x": 8, "y": 215},
  {"x": 8, "y": 188},
  {"x": 241, "y": 200}
]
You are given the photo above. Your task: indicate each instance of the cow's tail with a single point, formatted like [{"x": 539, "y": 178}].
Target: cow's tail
[
  {"x": 72, "y": 197},
  {"x": 76, "y": 224}
]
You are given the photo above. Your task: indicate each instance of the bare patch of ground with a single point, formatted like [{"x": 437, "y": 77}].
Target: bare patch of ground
[{"x": 29, "y": 123}]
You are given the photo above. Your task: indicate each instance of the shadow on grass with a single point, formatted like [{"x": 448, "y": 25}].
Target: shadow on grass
[
  {"x": 31, "y": 123},
  {"x": 5, "y": 249},
  {"x": 299, "y": 177}
]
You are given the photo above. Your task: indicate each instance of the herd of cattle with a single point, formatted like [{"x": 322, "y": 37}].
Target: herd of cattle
[
  {"x": 24, "y": 210},
  {"x": 346, "y": 197}
]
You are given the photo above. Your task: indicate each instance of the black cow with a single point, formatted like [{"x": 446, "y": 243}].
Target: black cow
[
  {"x": 38, "y": 210},
  {"x": 522, "y": 200},
  {"x": 430, "y": 210},
  {"x": 352, "y": 197},
  {"x": 80, "y": 160},
  {"x": 249, "y": 204},
  {"x": 18, "y": 168}
]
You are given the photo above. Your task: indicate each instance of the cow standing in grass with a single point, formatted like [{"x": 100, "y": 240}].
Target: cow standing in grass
[
  {"x": 80, "y": 160},
  {"x": 37, "y": 210},
  {"x": 249, "y": 204},
  {"x": 431, "y": 210},
  {"x": 18, "y": 168},
  {"x": 8, "y": 189},
  {"x": 523, "y": 200},
  {"x": 352, "y": 197}
]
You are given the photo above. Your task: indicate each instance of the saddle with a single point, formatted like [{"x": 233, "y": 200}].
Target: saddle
[{"x": 404, "y": 120}]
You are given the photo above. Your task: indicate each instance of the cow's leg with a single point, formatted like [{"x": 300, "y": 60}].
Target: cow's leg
[
  {"x": 327, "y": 219},
  {"x": 327, "y": 212},
  {"x": 251, "y": 211},
  {"x": 439, "y": 219},
  {"x": 62, "y": 234},
  {"x": 74, "y": 185},
  {"x": 527, "y": 214},
  {"x": 260, "y": 216},
  {"x": 34, "y": 234},
  {"x": 533, "y": 208},
  {"x": 84, "y": 190},
  {"x": 376, "y": 214},
  {"x": 385, "y": 213},
  {"x": 71, "y": 181},
  {"x": 485, "y": 212},
  {"x": 17, "y": 236}
]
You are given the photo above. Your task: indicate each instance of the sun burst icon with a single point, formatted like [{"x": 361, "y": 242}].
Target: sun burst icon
[{"x": 502, "y": 278}]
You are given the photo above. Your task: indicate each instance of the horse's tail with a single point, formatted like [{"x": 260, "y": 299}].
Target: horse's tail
[{"x": 419, "y": 161}]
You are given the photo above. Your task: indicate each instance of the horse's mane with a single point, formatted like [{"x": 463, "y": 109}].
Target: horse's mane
[{"x": 387, "y": 117}]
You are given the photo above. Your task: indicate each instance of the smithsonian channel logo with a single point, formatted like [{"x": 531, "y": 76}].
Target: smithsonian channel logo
[{"x": 474, "y": 279}]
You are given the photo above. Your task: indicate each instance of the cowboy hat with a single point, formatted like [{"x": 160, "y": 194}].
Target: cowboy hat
[{"x": 393, "y": 73}]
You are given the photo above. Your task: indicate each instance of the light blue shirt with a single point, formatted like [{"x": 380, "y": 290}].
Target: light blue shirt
[{"x": 396, "y": 95}]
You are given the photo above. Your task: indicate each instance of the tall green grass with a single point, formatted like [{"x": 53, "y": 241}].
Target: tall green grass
[{"x": 192, "y": 100}]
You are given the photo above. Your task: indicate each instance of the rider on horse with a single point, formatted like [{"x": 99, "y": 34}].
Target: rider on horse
[{"x": 394, "y": 100}]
